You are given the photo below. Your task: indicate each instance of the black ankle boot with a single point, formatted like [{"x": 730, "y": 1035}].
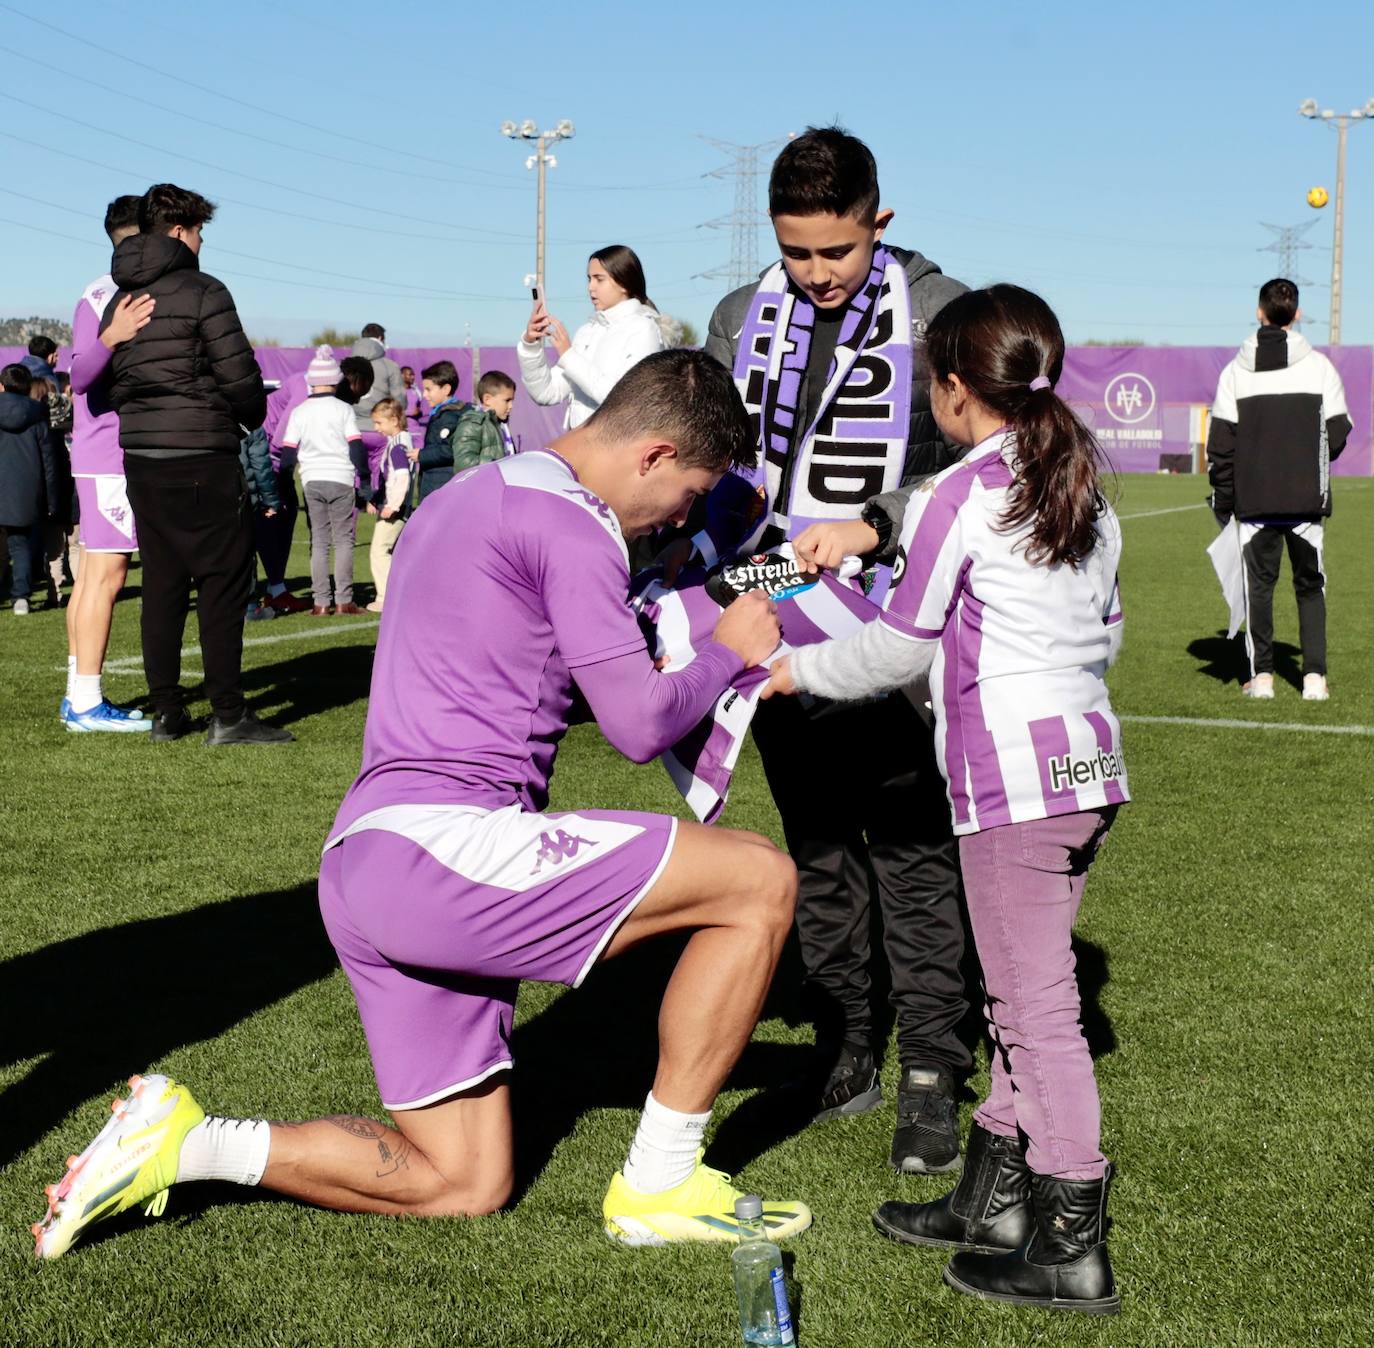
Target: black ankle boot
[
  {"x": 1064, "y": 1264},
  {"x": 989, "y": 1209}
]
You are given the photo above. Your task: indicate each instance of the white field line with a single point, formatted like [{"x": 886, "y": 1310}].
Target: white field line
[
  {"x": 129, "y": 663},
  {"x": 1217, "y": 723},
  {"x": 1169, "y": 510}
]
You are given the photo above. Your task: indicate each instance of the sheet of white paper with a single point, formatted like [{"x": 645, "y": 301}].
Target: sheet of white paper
[{"x": 1225, "y": 552}]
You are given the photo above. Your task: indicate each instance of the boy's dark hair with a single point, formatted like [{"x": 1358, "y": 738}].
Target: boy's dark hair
[
  {"x": 690, "y": 399},
  {"x": 43, "y": 347},
  {"x": 494, "y": 381},
  {"x": 441, "y": 372},
  {"x": 165, "y": 205},
  {"x": 825, "y": 171},
  {"x": 358, "y": 376},
  {"x": 1278, "y": 301},
  {"x": 121, "y": 215},
  {"x": 373, "y": 330},
  {"x": 17, "y": 379}
]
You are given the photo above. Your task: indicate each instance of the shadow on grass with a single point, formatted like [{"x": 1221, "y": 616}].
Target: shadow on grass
[
  {"x": 1223, "y": 658},
  {"x": 310, "y": 684},
  {"x": 109, "y": 1003},
  {"x": 597, "y": 1048}
]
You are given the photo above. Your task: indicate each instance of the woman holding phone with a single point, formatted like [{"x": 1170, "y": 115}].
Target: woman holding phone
[{"x": 624, "y": 329}]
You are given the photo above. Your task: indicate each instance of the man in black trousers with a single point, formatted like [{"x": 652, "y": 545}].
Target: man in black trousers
[{"x": 187, "y": 390}]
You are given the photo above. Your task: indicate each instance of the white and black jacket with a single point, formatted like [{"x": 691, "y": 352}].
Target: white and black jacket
[{"x": 1278, "y": 423}]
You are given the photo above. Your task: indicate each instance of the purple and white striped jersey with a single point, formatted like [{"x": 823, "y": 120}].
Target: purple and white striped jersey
[{"x": 1024, "y": 728}]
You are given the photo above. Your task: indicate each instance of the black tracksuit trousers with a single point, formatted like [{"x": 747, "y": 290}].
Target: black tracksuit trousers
[
  {"x": 194, "y": 529},
  {"x": 1263, "y": 556},
  {"x": 865, "y": 815}
]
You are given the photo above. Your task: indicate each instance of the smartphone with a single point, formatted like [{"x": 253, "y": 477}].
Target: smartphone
[{"x": 538, "y": 293}]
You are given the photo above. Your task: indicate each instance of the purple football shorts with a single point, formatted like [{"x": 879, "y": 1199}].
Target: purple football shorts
[
  {"x": 107, "y": 521},
  {"x": 438, "y": 911}
]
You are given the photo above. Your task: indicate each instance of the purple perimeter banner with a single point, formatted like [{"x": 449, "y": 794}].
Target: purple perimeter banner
[{"x": 1142, "y": 402}]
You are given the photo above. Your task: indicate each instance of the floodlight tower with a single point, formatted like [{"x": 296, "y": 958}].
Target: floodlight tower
[
  {"x": 539, "y": 160},
  {"x": 1341, "y": 120}
]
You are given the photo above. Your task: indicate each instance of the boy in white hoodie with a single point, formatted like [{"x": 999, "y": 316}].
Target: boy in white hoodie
[{"x": 322, "y": 433}]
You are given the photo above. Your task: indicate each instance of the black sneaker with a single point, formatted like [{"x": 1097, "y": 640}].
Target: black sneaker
[
  {"x": 246, "y": 730},
  {"x": 172, "y": 725},
  {"x": 852, "y": 1086},
  {"x": 926, "y": 1141}
]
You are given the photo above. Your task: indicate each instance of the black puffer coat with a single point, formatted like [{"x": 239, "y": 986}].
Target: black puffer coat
[
  {"x": 188, "y": 381},
  {"x": 28, "y": 473}
]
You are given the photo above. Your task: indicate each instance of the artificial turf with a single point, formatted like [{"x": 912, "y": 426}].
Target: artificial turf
[{"x": 157, "y": 911}]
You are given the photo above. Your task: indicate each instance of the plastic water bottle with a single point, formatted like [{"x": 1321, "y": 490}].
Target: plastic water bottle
[{"x": 764, "y": 1316}]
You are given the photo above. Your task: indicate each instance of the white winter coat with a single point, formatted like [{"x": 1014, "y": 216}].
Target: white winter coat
[{"x": 602, "y": 350}]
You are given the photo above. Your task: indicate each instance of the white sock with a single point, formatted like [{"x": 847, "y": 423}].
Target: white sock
[
  {"x": 275, "y": 589},
  {"x": 85, "y": 691},
  {"x": 225, "y": 1149},
  {"x": 71, "y": 673},
  {"x": 665, "y": 1148}
]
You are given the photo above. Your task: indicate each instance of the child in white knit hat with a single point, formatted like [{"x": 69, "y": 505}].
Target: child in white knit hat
[{"x": 322, "y": 434}]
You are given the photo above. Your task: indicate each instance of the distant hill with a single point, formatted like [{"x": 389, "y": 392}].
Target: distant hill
[{"x": 17, "y": 331}]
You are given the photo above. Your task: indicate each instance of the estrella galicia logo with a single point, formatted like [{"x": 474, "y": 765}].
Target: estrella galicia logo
[
  {"x": 559, "y": 847},
  {"x": 899, "y": 566}
]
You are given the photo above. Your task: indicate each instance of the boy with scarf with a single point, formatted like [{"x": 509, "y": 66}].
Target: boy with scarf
[{"x": 827, "y": 352}]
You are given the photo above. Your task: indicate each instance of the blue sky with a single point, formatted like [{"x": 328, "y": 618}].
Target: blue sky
[{"x": 1119, "y": 159}]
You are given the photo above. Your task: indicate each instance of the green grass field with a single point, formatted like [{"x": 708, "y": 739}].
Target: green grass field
[{"x": 157, "y": 912}]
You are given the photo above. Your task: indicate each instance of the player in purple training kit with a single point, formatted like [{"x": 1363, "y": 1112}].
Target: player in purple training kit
[{"x": 445, "y": 882}]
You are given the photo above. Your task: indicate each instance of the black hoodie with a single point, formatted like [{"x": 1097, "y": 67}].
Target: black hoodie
[{"x": 187, "y": 383}]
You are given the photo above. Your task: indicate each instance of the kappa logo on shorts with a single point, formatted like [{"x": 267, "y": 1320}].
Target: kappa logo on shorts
[{"x": 560, "y": 846}]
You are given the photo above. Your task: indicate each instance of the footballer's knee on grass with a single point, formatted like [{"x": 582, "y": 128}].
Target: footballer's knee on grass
[{"x": 467, "y": 1142}]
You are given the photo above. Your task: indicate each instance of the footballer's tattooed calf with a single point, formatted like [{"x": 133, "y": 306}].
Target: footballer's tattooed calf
[{"x": 356, "y": 1126}]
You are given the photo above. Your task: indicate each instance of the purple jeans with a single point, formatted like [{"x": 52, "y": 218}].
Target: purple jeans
[{"x": 1024, "y": 883}]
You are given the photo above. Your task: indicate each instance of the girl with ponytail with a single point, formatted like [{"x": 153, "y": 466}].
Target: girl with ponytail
[{"x": 1004, "y": 594}]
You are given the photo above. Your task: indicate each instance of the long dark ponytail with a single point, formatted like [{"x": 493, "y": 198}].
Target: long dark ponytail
[{"x": 1000, "y": 341}]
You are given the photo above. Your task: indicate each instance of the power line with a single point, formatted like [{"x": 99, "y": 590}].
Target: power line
[
  {"x": 745, "y": 168},
  {"x": 1288, "y": 241}
]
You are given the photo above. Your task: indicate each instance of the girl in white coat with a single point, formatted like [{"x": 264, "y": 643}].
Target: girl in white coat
[{"x": 624, "y": 329}]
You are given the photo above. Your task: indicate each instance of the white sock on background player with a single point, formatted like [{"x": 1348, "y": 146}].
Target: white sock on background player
[
  {"x": 665, "y": 1146},
  {"x": 225, "y": 1149}
]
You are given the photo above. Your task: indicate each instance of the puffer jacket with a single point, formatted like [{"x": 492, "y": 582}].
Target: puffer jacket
[
  {"x": 187, "y": 382},
  {"x": 387, "y": 380},
  {"x": 29, "y": 487},
  {"x": 477, "y": 439}
]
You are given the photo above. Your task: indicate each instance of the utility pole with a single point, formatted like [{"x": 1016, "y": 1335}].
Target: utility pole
[
  {"x": 1308, "y": 108},
  {"x": 745, "y": 167},
  {"x": 540, "y": 160}
]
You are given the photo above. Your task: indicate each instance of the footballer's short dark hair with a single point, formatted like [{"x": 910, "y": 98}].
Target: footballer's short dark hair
[
  {"x": 373, "y": 330},
  {"x": 43, "y": 347},
  {"x": 164, "y": 206},
  {"x": 1278, "y": 301},
  {"x": 691, "y": 400},
  {"x": 121, "y": 216},
  {"x": 825, "y": 171},
  {"x": 442, "y": 372}
]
